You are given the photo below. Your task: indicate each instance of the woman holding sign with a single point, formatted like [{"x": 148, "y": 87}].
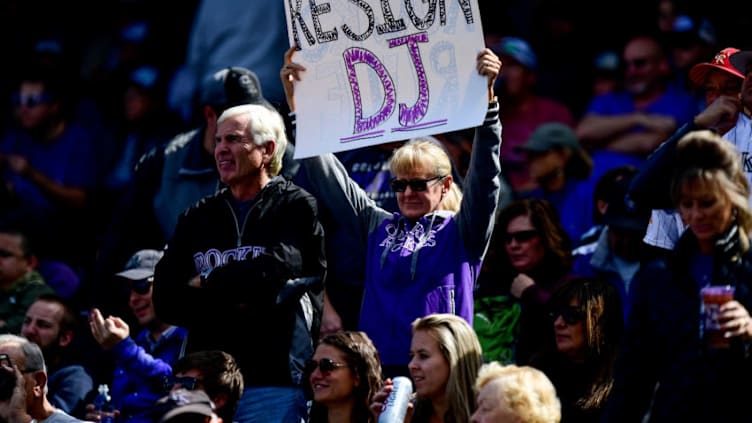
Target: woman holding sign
[{"x": 423, "y": 259}]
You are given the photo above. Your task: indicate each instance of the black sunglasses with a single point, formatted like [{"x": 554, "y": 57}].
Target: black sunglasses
[
  {"x": 185, "y": 382},
  {"x": 325, "y": 365},
  {"x": 519, "y": 236},
  {"x": 400, "y": 185},
  {"x": 142, "y": 286},
  {"x": 571, "y": 315}
]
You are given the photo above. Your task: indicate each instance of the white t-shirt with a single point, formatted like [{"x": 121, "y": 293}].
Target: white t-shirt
[{"x": 666, "y": 226}]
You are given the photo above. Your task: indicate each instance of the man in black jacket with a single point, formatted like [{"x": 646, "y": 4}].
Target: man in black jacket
[
  {"x": 250, "y": 258},
  {"x": 167, "y": 181}
]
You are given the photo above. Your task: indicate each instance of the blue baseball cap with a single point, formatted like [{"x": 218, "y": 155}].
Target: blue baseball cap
[{"x": 519, "y": 50}]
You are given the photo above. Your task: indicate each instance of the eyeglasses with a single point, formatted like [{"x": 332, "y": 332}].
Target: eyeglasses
[
  {"x": 186, "y": 382},
  {"x": 31, "y": 100},
  {"x": 571, "y": 315},
  {"x": 519, "y": 236},
  {"x": 325, "y": 365},
  {"x": 417, "y": 185},
  {"x": 142, "y": 286},
  {"x": 5, "y": 361}
]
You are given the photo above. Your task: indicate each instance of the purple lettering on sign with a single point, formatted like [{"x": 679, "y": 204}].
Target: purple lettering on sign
[
  {"x": 408, "y": 116},
  {"x": 353, "y": 56},
  {"x": 423, "y": 125},
  {"x": 367, "y": 135}
]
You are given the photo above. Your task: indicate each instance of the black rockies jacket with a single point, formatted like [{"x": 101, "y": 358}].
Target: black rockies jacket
[{"x": 261, "y": 292}]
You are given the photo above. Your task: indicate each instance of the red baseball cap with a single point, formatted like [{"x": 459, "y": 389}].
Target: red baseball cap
[{"x": 721, "y": 61}]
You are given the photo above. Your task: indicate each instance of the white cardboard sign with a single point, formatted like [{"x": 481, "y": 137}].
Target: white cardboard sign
[{"x": 379, "y": 71}]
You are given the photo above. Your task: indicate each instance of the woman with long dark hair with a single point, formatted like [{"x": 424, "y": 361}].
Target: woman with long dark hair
[
  {"x": 586, "y": 315},
  {"x": 530, "y": 256},
  {"x": 343, "y": 374}
]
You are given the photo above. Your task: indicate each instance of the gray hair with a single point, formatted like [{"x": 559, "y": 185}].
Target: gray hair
[
  {"x": 31, "y": 351},
  {"x": 265, "y": 125}
]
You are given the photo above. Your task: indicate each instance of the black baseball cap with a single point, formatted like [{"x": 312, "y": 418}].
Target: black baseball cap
[
  {"x": 232, "y": 86},
  {"x": 742, "y": 61}
]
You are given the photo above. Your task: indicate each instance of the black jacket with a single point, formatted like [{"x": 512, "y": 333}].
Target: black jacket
[
  {"x": 262, "y": 280},
  {"x": 663, "y": 359}
]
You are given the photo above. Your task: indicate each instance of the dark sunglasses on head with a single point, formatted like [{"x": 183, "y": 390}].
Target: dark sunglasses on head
[
  {"x": 142, "y": 286},
  {"x": 325, "y": 365},
  {"x": 571, "y": 315},
  {"x": 519, "y": 236},
  {"x": 31, "y": 100},
  {"x": 400, "y": 185},
  {"x": 185, "y": 382}
]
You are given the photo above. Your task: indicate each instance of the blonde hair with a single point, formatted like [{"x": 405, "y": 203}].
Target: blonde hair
[
  {"x": 265, "y": 125},
  {"x": 460, "y": 346},
  {"x": 452, "y": 199},
  {"x": 419, "y": 152},
  {"x": 706, "y": 159},
  {"x": 525, "y": 390}
]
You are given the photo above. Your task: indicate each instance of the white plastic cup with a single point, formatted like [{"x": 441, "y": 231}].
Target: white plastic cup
[{"x": 395, "y": 406}]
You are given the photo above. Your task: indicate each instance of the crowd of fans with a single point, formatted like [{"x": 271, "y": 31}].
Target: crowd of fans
[{"x": 156, "y": 234}]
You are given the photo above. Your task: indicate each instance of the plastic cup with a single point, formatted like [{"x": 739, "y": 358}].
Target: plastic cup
[{"x": 713, "y": 297}]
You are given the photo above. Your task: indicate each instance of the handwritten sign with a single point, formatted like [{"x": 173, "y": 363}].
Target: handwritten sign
[{"x": 379, "y": 71}]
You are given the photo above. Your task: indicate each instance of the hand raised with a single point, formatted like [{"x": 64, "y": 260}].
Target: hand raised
[{"x": 107, "y": 332}]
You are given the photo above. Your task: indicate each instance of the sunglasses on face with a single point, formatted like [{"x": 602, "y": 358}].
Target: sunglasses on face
[
  {"x": 417, "y": 185},
  {"x": 185, "y": 382},
  {"x": 325, "y": 365},
  {"x": 30, "y": 100},
  {"x": 142, "y": 286},
  {"x": 519, "y": 236},
  {"x": 571, "y": 315}
]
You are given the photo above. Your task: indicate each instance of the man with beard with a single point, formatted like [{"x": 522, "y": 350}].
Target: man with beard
[{"x": 51, "y": 323}]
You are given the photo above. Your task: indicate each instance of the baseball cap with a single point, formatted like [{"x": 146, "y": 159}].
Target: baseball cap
[
  {"x": 519, "y": 50},
  {"x": 721, "y": 61},
  {"x": 688, "y": 31},
  {"x": 141, "y": 265},
  {"x": 182, "y": 402},
  {"x": 551, "y": 135},
  {"x": 145, "y": 77},
  {"x": 742, "y": 62},
  {"x": 232, "y": 86}
]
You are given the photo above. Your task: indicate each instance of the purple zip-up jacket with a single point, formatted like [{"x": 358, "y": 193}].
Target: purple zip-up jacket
[{"x": 420, "y": 269}]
